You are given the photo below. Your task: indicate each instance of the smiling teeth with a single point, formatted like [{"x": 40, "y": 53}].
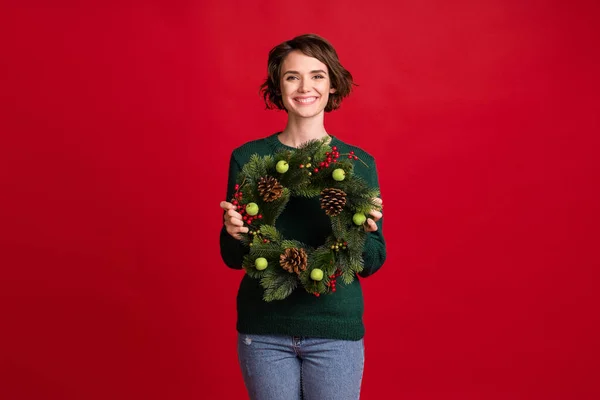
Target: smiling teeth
[{"x": 310, "y": 99}]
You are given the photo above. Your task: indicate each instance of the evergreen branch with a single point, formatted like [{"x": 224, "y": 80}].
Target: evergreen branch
[
  {"x": 267, "y": 250},
  {"x": 271, "y": 233},
  {"x": 292, "y": 244},
  {"x": 278, "y": 286}
]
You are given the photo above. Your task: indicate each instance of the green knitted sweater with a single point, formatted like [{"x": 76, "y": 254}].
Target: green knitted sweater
[{"x": 334, "y": 316}]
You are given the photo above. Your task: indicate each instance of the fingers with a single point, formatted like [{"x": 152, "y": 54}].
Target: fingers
[
  {"x": 234, "y": 224},
  {"x": 225, "y": 205},
  {"x": 376, "y": 215},
  {"x": 235, "y": 232},
  {"x": 370, "y": 225},
  {"x": 234, "y": 218},
  {"x": 230, "y": 213}
]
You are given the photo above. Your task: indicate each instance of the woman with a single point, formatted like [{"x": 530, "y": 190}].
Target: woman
[{"x": 303, "y": 346}]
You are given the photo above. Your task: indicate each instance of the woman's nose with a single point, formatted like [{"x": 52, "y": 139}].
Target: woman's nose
[{"x": 304, "y": 86}]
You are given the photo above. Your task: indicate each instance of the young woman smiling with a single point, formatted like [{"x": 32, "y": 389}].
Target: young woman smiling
[{"x": 302, "y": 347}]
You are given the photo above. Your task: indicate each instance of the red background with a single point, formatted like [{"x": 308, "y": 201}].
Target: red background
[{"x": 116, "y": 128}]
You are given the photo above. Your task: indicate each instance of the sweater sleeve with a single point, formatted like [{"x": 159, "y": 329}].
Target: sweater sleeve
[
  {"x": 232, "y": 250},
  {"x": 374, "y": 253}
]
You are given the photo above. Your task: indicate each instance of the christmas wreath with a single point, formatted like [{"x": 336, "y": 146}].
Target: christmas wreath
[{"x": 264, "y": 187}]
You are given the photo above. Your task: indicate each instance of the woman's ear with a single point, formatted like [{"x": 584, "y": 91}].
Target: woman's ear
[{"x": 332, "y": 90}]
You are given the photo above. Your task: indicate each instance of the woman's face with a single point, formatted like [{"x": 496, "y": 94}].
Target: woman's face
[{"x": 305, "y": 85}]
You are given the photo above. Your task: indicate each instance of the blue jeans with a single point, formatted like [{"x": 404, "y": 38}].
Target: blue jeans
[{"x": 294, "y": 367}]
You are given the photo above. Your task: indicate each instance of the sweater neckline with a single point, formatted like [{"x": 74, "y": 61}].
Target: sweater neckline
[{"x": 276, "y": 143}]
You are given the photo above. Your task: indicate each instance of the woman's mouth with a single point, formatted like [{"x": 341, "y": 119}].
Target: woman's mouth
[{"x": 305, "y": 100}]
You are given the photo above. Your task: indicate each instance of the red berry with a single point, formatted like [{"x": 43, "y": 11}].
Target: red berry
[
  {"x": 316, "y": 169},
  {"x": 355, "y": 157},
  {"x": 259, "y": 216},
  {"x": 301, "y": 165}
]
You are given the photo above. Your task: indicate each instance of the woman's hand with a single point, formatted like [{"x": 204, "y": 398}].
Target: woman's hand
[
  {"x": 370, "y": 224},
  {"x": 234, "y": 224}
]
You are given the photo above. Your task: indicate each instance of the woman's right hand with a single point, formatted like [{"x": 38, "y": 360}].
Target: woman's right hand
[{"x": 234, "y": 224}]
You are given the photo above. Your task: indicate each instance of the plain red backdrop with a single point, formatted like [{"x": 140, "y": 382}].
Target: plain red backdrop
[{"x": 116, "y": 126}]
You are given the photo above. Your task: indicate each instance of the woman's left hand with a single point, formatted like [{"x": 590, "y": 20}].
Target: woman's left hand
[{"x": 370, "y": 224}]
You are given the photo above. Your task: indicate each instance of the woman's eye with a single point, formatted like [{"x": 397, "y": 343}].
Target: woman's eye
[
  {"x": 289, "y": 78},
  {"x": 319, "y": 76}
]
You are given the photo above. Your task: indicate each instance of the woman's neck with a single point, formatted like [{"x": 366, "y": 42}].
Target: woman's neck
[{"x": 301, "y": 130}]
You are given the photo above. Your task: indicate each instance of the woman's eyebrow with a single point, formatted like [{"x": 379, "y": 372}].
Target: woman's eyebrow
[{"x": 316, "y": 71}]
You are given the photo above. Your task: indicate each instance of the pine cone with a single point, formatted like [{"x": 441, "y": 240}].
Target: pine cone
[
  {"x": 269, "y": 188},
  {"x": 333, "y": 201},
  {"x": 293, "y": 260}
]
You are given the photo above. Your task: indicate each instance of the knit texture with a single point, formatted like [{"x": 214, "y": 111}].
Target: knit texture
[{"x": 333, "y": 316}]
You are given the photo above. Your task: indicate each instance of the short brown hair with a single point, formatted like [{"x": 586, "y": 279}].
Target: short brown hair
[{"x": 313, "y": 46}]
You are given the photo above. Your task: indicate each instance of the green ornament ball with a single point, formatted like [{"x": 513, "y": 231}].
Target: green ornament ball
[
  {"x": 339, "y": 174},
  {"x": 261, "y": 263},
  {"x": 359, "y": 218},
  {"x": 282, "y": 166},
  {"x": 252, "y": 209},
  {"x": 316, "y": 274}
]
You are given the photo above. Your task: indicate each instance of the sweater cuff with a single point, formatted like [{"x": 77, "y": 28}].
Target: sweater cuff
[
  {"x": 232, "y": 250},
  {"x": 374, "y": 254}
]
